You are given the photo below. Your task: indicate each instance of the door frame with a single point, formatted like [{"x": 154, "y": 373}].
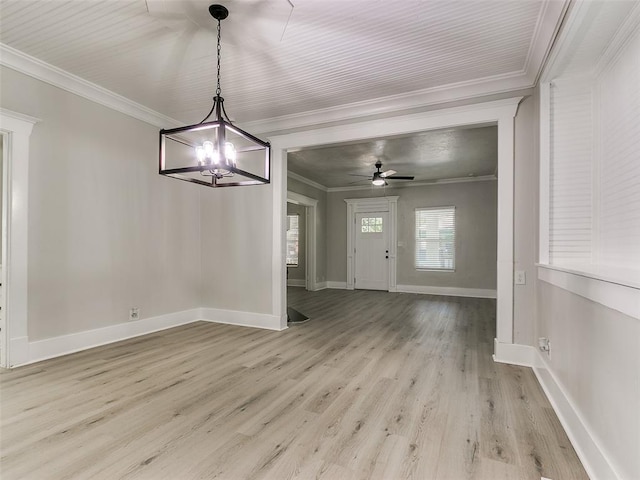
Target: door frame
[
  {"x": 16, "y": 129},
  {"x": 365, "y": 205},
  {"x": 311, "y": 214},
  {"x": 498, "y": 112}
]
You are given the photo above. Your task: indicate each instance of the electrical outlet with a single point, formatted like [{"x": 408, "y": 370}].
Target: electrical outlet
[
  {"x": 544, "y": 345},
  {"x": 520, "y": 277},
  {"x": 134, "y": 314}
]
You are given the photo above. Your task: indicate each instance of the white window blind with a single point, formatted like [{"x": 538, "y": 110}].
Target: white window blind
[
  {"x": 570, "y": 182},
  {"x": 292, "y": 240},
  {"x": 435, "y": 238},
  {"x": 594, "y": 148},
  {"x": 618, "y": 226}
]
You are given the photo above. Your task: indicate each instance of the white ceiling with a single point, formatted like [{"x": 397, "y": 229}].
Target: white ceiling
[
  {"x": 278, "y": 60},
  {"x": 430, "y": 156},
  {"x": 289, "y": 63}
]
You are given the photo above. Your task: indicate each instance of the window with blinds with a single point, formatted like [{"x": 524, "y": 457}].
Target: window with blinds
[
  {"x": 594, "y": 164},
  {"x": 435, "y": 238},
  {"x": 292, "y": 240}
]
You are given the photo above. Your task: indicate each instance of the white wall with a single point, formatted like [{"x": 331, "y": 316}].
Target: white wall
[
  {"x": 525, "y": 235},
  {"x": 595, "y": 357},
  {"x": 237, "y": 235},
  {"x": 106, "y": 232}
]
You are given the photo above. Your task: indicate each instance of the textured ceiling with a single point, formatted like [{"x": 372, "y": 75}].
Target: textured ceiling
[
  {"x": 429, "y": 156},
  {"x": 276, "y": 59}
]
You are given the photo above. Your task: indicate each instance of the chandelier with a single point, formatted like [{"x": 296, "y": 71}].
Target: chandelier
[{"x": 214, "y": 153}]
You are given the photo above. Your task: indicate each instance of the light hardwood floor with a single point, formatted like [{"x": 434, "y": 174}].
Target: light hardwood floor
[{"x": 375, "y": 385}]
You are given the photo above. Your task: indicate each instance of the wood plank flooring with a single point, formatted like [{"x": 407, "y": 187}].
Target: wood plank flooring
[{"x": 376, "y": 385}]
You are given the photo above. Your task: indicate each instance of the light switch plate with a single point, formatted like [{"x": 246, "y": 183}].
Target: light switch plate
[{"x": 520, "y": 277}]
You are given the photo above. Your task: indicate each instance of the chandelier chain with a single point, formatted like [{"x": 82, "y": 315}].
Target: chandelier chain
[{"x": 218, "y": 90}]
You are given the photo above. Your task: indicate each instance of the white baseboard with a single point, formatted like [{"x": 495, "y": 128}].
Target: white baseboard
[
  {"x": 591, "y": 454},
  {"x": 337, "y": 285},
  {"x": 24, "y": 352},
  {"x": 514, "y": 353},
  {"x": 448, "y": 291},
  {"x": 320, "y": 286},
  {"x": 75, "y": 342},
  {"x": 245, "y": 319},
  {"x": 294, "y": 282}
]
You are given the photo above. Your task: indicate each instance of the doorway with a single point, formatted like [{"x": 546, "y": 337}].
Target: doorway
[
  {"x": 296, "y": 253},
  {"x": 500, "y": 112},
  {"x": 309, "y": 207},
  {"x": 15, "y": 129}
]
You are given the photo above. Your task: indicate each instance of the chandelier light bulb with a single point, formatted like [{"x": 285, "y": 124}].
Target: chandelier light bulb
[
  {"x": 230, "y": 153},
  {"x": 208, "y": 149},
  {"x": 200, "y": 154}
]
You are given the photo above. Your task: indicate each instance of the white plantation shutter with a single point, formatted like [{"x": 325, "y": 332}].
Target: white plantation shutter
[
  {"x": 435, "y": 238},
  {"x": 619, "y": 164},
  {"x": 594, "y": 164},
  {"x": 570, "y": 182}
]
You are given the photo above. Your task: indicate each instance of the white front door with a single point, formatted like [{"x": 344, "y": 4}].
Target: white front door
[{"x": 372, "y": 251}]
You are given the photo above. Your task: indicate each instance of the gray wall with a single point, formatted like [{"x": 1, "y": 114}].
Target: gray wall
[
  {"x": 106, "y": 232},
  {"x": 299, "y": 272},
  {"x": 476, "y": 233},
  {"x": 321, "y": 223}
]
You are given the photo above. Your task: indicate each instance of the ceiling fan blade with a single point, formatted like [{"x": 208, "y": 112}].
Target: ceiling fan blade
[
  {"x": 358, "y": 175},
  {"x": 401, "y": 177},
  {"x": 387, "y": 173},
  {"x": 358, "y": 182}
]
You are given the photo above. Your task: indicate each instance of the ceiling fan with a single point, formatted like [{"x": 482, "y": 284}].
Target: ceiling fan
[{"x": 380, "y": 178}]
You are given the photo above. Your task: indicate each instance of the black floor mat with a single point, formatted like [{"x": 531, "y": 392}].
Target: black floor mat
[{"x": 294, "y": 316}]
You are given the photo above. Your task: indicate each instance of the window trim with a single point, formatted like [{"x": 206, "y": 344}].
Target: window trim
[{"x": 415, "y": 233}]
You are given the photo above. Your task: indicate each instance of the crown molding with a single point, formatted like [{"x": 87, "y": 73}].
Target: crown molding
[
  {"x": 394, "y": 103},
  {"x": 23, "y": 63},
  {"x": 28, "y": 65},
  {"x": 307, "y": 181},
  {"x": 10, "y": 114},
  {"x": 546, "y": 30},
  {"x": 620, "y": 40},
  {"x": 444, "y": 181},
  {"x": 547, "y": 25}
]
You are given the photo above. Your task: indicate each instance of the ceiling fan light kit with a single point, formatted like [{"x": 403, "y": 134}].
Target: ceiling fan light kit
[
  {"x": 215, "y": 153},
  {"x": 379, "y": 178}
]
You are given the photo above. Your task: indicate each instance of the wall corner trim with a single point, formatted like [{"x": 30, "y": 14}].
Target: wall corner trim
[{"x": 593, "y": 457}]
